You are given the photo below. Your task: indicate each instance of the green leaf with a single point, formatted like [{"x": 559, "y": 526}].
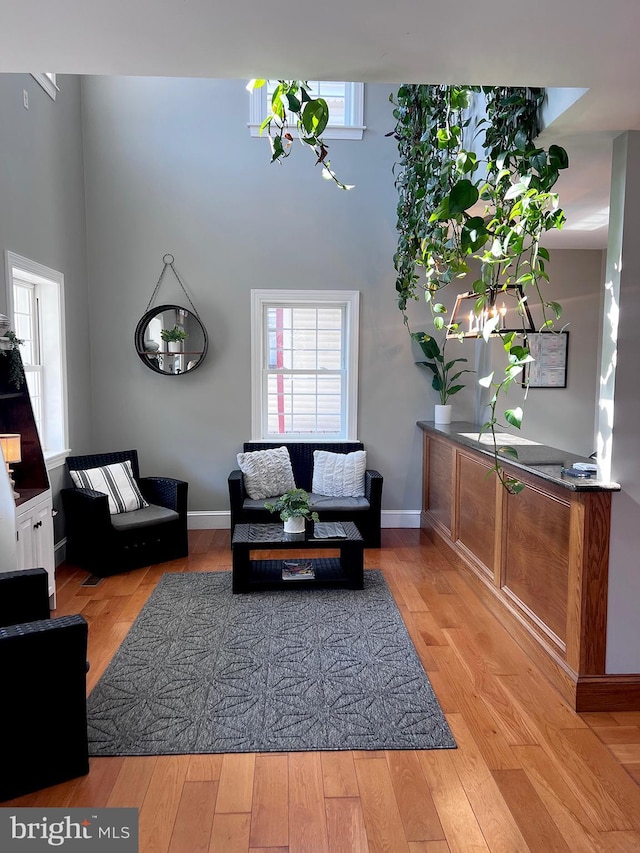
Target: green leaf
[
  {"x": 556, "y": 308},
  {"x": 438, "y": 322},
  {"x": 507, "y": 450},
  {"x": 315, "y": 116},
  {"x": 515, "y": 190},
  {"x": 454, "y": 390},
  {"x": 544, "y": 253},
  {"x": 521, "y": 140},
  {"x": 463, "y": 196},
  {"x": 254, "y": 84},
  {"x": 293, "y": 102},
  {"x": 514, "y": 417},
  {"x": 438, "y": 308},
  {"x": 441, "y": 213},
  {"x": 486, "y": 381},
  {"x": 558, "y": 157}
]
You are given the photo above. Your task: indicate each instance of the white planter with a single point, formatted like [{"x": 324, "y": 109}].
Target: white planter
[
  {"x": 175, "y": 346},
  {"x": 443, "y": 414},
  {"x": 294, "y": 525}
]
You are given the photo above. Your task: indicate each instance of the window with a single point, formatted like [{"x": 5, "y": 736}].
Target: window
[
  {"x": 304, "y": 364},
  {"x": 345, "y": 100},
  {"x": 36, "y": 302},
  {"x": 48, "y": 83}
]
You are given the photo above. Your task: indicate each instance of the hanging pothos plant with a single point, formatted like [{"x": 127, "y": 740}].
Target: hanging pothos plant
[
  {"x": 459, "y": 200},
  {"x": 293, "y": 109}
]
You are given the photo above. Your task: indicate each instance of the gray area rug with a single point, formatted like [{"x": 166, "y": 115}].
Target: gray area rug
[{"x": 205, "y": 671}]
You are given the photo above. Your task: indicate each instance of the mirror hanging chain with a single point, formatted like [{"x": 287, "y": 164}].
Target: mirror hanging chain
[{"x": 169, "y": 263}]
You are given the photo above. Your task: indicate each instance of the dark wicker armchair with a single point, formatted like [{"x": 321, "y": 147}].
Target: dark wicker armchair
[
  {"x": 43, "y": 670},
  {"x": 105, "y": 544}
]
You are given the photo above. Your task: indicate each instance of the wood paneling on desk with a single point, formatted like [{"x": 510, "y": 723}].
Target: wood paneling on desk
[{"x": 540, "y": 557}]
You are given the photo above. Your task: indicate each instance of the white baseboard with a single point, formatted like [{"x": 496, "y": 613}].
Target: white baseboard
[
  {"x": 209, "y": 520},
  {"x": 221, "y": 519},
  {"x": 60, "y": 550},
  {"x": 400, "y": 518}
]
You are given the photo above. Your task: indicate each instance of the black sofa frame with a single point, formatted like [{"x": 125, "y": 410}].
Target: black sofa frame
[{"x": 367, "y": 521}]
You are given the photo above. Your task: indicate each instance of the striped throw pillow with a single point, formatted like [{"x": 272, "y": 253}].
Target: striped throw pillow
[{"x": 116, "y": 481}]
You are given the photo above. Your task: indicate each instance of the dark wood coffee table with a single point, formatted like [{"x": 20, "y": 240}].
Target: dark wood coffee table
[{"x": 250, "y": 575}]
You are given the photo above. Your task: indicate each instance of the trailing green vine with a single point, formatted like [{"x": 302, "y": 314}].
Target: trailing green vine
[
  {"x": 293, "y": 108},
  {"x": 460, "y": 200},
  {"x": 15, "y": 374}
]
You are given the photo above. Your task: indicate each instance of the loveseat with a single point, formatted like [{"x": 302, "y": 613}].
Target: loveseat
[{"x": 364, "y": 511}]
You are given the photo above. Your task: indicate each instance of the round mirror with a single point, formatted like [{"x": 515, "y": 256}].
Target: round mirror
[{"x": 171, "y": 340}]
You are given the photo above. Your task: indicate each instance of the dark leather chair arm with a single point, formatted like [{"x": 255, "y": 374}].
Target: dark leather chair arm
[
  {"x": 24, "y": 596},
  {"x": 165, "y": 491}
]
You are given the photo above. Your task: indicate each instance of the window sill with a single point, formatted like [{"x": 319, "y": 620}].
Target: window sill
[
  {"x": 55, "y": 459},
  {"x": 352, "y": 132}
]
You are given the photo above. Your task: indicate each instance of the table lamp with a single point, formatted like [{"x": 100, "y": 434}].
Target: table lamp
[{"x": 10, "y": 443}]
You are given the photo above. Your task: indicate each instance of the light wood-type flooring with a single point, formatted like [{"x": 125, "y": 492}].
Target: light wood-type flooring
[{"x": 528, "y": 774}]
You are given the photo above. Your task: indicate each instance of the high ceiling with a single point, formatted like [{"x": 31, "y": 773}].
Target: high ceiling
[{"x": 588, "y": 44}]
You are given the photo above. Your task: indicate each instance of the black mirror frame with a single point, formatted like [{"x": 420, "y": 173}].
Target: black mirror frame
[{"x": 139, "y": 339}]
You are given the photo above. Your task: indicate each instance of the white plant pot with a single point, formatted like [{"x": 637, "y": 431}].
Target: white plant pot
[
  {"x": 175, "y": 346},
  {"x": 443, "y": 414},
  {"x": 294, "y": 525}
]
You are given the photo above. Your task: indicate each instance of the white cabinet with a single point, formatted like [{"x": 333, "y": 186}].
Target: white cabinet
[{"x": 34, "y": 538}]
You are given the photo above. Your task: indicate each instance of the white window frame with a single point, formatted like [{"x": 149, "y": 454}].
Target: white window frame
[
  {"x": 48, "y": 83},
  {"x": 353, "y": 128},
  {"x": 349, "y": 300},
  {"x": 50, "y": 288}
]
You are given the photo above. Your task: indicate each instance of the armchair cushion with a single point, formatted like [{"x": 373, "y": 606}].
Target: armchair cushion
[
  {"x": 267, "y": 473},
  {"x": 116, "y": 481},
  {"x": 339, "y": 474},
  {"x": 145, "y": 517}
]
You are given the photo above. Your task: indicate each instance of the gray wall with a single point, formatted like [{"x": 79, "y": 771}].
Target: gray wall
[
  {"x": 170, "y": 167},
  {"x": 42, "y": 217}
]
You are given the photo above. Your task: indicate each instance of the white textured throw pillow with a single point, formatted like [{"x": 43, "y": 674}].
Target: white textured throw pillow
[
  {"x": 116, "y": 481},
  {"x": 267, "y": 473},
  {"x": 340, "y": 475}
]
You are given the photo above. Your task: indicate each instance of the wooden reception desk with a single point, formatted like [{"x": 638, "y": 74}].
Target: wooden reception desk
[{"x": 540, "y": 558}]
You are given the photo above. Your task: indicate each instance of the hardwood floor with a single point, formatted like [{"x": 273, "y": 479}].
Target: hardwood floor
[{"x": 528, "y": 774}]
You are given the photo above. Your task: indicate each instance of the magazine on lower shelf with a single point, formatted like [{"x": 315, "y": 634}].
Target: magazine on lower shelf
[{"x": 297, "y": 570}]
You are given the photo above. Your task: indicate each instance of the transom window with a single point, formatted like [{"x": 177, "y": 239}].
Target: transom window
[
  {"x": 345, "y": 101},
  {"x": 304, "y": 354}
]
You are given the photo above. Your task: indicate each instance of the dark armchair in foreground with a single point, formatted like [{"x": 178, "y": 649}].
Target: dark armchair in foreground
[
  {"x": 105, "y": 544},
  {"x": 43, "y": 671}
]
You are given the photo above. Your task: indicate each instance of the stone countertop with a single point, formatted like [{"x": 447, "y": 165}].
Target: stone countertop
[{"x": 533, "y": 458}]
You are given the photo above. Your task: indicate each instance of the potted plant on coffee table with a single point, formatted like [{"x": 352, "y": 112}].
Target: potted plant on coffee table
[
  {"x": 294, "y": 509},
  {"x": 444, "y": 372}
]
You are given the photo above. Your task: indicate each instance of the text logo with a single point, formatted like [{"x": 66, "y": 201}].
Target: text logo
[{"x": 80, "y": 830}]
